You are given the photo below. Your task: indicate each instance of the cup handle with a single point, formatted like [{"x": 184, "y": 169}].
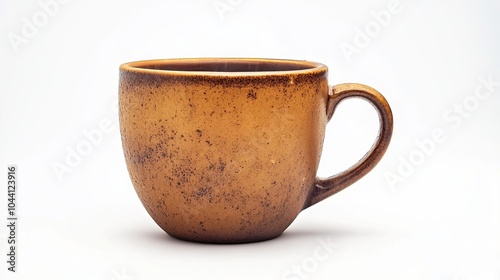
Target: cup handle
[{"x": 324, "y": 188}]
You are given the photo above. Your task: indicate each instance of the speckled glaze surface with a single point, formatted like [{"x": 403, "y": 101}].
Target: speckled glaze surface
[{"x": 226, "y": 150}]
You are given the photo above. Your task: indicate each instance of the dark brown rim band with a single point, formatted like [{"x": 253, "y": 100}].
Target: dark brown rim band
[{"x": 228, "y": 67}]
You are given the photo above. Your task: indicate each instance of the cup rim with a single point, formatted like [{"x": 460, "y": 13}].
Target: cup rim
[{"x": 295, "y": 66}]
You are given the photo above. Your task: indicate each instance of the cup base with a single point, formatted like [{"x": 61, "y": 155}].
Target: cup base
[{"x": 227, "y": 241}]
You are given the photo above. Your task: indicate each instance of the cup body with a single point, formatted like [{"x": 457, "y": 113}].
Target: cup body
[{"x": 223, "y": 150}]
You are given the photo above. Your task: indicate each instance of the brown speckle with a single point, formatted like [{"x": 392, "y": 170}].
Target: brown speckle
[
  {"x": 203, "y": 191},
  {"x": 252, "y": 94}
]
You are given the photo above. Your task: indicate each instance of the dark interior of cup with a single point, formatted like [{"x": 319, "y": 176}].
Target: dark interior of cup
[{"x": 228, "y": 65}]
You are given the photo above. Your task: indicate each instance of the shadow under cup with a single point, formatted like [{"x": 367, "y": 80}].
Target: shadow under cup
[{"x": 225, "y": 150}]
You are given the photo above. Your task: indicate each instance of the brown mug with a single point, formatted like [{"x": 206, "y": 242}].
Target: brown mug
[{"x": 225, "y": 150}]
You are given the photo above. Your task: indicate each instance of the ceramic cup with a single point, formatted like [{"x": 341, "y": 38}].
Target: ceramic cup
[{"x": 225, "y": 150}]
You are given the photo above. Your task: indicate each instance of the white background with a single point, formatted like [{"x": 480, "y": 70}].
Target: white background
[{"x": 440, "y": 219}]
